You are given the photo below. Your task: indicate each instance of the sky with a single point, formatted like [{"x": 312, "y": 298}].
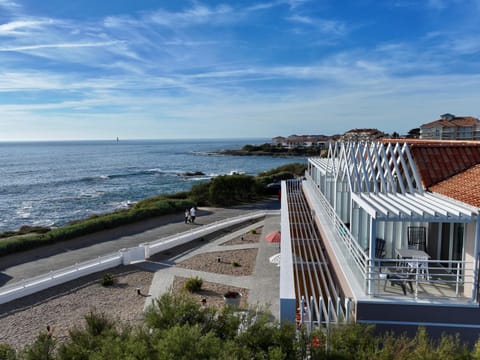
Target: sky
[{"x": 152, "y": 69}]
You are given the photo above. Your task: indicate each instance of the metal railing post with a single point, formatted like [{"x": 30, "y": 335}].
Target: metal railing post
[
  {"x": 457, "y": 280},
  {"x": 320, "y": 306}
]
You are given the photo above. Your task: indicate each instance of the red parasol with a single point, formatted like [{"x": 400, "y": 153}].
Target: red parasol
[{"x": 273, "y": 237}]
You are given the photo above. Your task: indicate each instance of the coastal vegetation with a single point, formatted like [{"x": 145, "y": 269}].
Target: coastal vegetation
[
  {"x": 274, "y": 150},
  {"x": 225, "y": 190},
  {"x": 177, "y": 327}
]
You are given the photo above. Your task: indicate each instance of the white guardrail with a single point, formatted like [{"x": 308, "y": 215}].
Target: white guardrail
[{"x": 122, "y": 257}]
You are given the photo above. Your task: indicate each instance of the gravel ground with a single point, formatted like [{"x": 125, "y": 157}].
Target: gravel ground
[
  {"x": 63, "y": 307},
  {"x": 236, "y": 262},
  {"x": 212, "y": 292},
  {"x": 249, "y": 237}
]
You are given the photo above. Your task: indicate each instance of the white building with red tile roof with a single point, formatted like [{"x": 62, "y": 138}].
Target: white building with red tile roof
[
  {"x": 451, "y": 127},
  {"x": 293, "y": 141},
  {"x": 385, "y": 233}
]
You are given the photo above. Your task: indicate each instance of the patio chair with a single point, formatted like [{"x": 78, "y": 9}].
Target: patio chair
[
  {"x": 417, "y": 237},
  {"x": 379, "y": 249},
  {"x": 398, "y": 276}
]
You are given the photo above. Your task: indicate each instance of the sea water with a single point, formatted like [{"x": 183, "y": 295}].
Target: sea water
[{"x": 52, "y": 183}]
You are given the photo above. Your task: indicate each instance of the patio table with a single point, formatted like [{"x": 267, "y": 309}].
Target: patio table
[{"x": 419, "y": 266}]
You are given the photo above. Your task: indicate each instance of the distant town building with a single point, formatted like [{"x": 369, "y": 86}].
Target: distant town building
[
  {"x": 451, "y": 127},
  {"x": 362, "y": 135},
  {"x": 293, "y": 141}
]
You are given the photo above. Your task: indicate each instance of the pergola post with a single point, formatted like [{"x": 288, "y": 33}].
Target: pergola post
[
  {"x": 475, "y": 261},
  {"x": 371, "y": 254}
]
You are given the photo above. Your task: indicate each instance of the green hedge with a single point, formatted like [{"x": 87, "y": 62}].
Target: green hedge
[
  {"x": 229, "y": 190},
  {"x": 142, "y": 210}
]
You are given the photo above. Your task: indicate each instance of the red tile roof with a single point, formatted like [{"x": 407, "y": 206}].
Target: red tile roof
[
  {"x": 464, "y": 187},
  {"x": 456, "y": 121},
  {"x": 438, "y": 160}
]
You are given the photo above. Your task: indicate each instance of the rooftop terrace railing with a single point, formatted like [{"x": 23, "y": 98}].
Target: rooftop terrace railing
[
  {"x": 420, "y": 279},
  {"x": 442, "y": 284}
]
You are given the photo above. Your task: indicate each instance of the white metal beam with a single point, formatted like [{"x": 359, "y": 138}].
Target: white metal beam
[{"x": 364, "y": 205}]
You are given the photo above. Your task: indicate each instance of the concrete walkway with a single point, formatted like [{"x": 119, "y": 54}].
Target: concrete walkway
[
  {"x": 27, "y": 264},
  {"x": 263, "y": 284}
]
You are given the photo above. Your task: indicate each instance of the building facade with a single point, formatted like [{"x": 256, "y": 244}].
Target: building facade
[
  {"x": 451, "y": 127},
  {"x": 384, "y": 233}
]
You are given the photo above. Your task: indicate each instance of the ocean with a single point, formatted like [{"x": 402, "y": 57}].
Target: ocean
[{"x": 52, "y": 183}]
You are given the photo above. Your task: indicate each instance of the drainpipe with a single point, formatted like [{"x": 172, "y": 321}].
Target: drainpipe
[{"x": 475, "y": 262}]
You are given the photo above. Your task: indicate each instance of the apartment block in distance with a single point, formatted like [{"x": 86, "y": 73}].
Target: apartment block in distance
[{"x": 451, "y": 127}]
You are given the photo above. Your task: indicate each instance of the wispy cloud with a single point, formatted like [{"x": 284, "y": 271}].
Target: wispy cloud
[
  {"x": 60, "y": 46},
  {"x": 324, "y": 26},
  {"x": 241, "y": 62},
  {"x": 197, "y": 15},
  {"x": 16, "y": 27},
  {"x": 9, "y": 5}
]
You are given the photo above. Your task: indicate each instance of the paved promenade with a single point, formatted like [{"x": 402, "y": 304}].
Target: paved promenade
[{"x": 34, "y": 262}]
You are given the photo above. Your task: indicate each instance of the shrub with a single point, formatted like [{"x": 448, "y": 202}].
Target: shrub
[
  {"x": 253, "y": 231},
  {"x": 227, "y": 190},
  {"x": 42, "y": 348},
  {"x": 199, "y": 193},
  {"x": 235, "y": 264},
  {"x": 7, "y": 352},
  {"x": 107, "y": 280},
  {"x": 297, "y": 169},
  {"x": 193, "y": 284},
  {"x": 170, "y": 310},
  {"x": 98, "y": 323}
]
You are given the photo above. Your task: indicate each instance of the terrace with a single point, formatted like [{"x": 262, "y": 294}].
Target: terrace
[{"x": 387, "y": 244}]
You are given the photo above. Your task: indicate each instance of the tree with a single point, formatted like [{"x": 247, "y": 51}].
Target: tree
[{"x": 413, "y": 133}]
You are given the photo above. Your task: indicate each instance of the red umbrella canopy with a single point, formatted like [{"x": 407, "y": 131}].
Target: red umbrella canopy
[{"x": 273, "y": 237}]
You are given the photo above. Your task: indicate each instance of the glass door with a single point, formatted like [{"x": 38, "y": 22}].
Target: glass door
[{"x": 452, "y": 240}]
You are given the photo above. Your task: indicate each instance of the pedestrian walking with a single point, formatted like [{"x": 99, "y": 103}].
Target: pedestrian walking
[
  {"x": 187, "y": 216},
  {"x": 193, "y": 212}
]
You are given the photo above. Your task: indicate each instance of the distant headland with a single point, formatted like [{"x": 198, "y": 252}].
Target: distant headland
[{"x": 272, "y": 150}]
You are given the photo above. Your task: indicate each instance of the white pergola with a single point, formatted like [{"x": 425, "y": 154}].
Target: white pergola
[
  {"x": 384, "y": 181},
  {"x": 376, "y": 186}
]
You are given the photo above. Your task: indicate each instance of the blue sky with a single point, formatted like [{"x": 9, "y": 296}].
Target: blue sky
[{"x": 208, "y": 69}]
